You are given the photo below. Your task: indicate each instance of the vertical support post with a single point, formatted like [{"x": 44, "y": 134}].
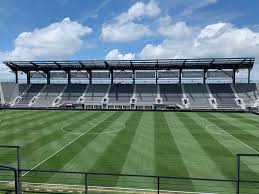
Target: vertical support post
[
  {"x": 86, "y": 183},
  {"x": 180, "y": 76},
  {"x": 249, "y": 72},
  {"x": 68, "y": 77},
  {"x": 111, "y": 74},
  {"x": 204, "y": 76},
  {"x": 16, "y": 76},
  {"x": 133, "y": 76},
  {"x": 156, "y": 77},
  {"x": 158, "y": 184},
  {"x": 16, "y": 182},
  {"x": 28, "y": 77},
  {"x": 90, "y": 76},
  {"x": 19, "y": 177},
  {"x": 48, "y": 77},
  {"x": 238, "y": 174},
  {"x": 234, "y": 76}
]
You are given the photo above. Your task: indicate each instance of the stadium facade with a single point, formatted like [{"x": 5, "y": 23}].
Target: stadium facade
[{"x": 161, "y": 84}]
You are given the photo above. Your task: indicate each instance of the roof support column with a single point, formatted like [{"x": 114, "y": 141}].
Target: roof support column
[
  {"x": 204, "y": 75},
  {"x": 111, "y": 74},
  {"x": 156, "y": 77},
  {"x": 90, "y": 75},
  {"x": 248, "y": 79},
  {"x": 68, "y": 77},
  {"x": 234, "y": 76},
  {"x": 48, "y": 77},
  {"x": 180, "y": 76},
  {"x": 16, "y": 76},
  {"x": 28, "y": 77},
  {"x": 133, "y": 76}
]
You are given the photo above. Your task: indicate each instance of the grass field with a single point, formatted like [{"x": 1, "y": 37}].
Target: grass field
[{"x": 193, "y": 144}]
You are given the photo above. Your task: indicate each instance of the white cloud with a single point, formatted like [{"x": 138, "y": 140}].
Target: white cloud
[
  {"x": 124, "y": 33},
  {"x": 177, "y": 31},
  {"x": 58, "y": 40},
  {"x": 124, "y": 27},
  {"x": 216, "y": 40},
  {"x": 138, "y": 10},
  {"x": 115, "y": 54}
]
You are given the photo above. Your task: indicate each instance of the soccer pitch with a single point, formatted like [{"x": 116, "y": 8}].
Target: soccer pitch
[{"x": 179, "y": 144}]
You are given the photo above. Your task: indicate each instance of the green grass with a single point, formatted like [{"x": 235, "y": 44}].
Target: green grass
[{"x": 176, "y": 144}]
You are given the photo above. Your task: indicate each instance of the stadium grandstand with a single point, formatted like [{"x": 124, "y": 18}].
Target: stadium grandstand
[{"x": 162, "y": 84}]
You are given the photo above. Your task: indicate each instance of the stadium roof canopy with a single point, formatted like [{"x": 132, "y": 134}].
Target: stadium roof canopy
[
  {"x": 199, "y": 63},
  {"x": 204, "y": 64}
]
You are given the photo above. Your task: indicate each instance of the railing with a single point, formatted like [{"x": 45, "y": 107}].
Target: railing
[
  {"x": 50, "y": 181},
  {"x": 14, "y": 179}
]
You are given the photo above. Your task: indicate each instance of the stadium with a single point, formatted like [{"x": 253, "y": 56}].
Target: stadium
[{"x": 130, "y": 126}]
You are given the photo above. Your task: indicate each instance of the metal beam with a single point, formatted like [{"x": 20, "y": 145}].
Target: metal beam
[
  {"x": 90, "y": 76},
  {"x": 35, "y": 65},
  {"x": 156, "y": 72},
  {"x": 28, "y": 77},
  {"x": 131, "y": 65},
  {"x": 16, "y": 76},
  {"x": 248, "y": 79},
  {"x": 68, "y": 77},
  {"x": 107, "y": 65},
  {"x": 48, "y": 77},
  {"x": 111, "y": 74},
  {"x": 234, "y": 76},
  {"x": 161, "y": 64},
  {"x": 204, "y": 75},
  {"x": 180, "y": 76},
  {"x": 156, "y": 76},
  {"x": 133, "y": 76},
  {"x": 58, "y": 65},
  {"x": 15, "y": 66}
]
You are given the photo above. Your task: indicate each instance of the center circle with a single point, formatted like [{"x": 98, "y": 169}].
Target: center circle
[{"x": 114, "y": 126}]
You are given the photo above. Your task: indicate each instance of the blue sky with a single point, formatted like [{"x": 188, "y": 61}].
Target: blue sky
[{"x": 128, "y": 29}]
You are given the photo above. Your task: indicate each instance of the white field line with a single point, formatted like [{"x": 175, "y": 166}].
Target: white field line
[
  {"x": 111, "y": 188},
  {"x": 232, "y": 137},
  {"x": 105, "y": 132},
  {"x": 69, "y": 143}
]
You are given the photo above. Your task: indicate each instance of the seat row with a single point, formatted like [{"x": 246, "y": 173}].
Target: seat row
[{"x": 192, "y": 96}]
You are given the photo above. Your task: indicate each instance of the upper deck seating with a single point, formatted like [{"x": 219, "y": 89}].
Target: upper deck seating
[
  {"x": 197, "y": 95},
  {"x": 120, "y": 93},
  {"x": 171, "y": 94},
  {"x": 72, "y": 93},
  {"x": 95, "y": 93},
  {"x": 248, "y": 92},
  {"x": 32, "y": 91},
  {"x": 146, "y": 93},
  {"x": 48, "y": 95},
  {"x": 11, "y": 90},
  {"x": 224, "y": 95}
]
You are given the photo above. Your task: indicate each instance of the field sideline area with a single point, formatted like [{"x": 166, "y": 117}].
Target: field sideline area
[{"x": 182, "y": 144}]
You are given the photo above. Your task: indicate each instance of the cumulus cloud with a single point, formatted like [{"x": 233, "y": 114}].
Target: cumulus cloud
[
  {"x": 216, "y": 40},
  {"x": 178, "y": 31},
  {"x": 138, "y": 10},
  {"x": 124, "y": 33},
  {"x": 124, "y": 28},
  {"x": 115, "y": 54},
  {"x": 58, "y": 40}
]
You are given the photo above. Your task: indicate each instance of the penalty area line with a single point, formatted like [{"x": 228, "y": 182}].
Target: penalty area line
[
  {"x": 69, "y": 143},
  {"x": 233, "y": 137}
]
